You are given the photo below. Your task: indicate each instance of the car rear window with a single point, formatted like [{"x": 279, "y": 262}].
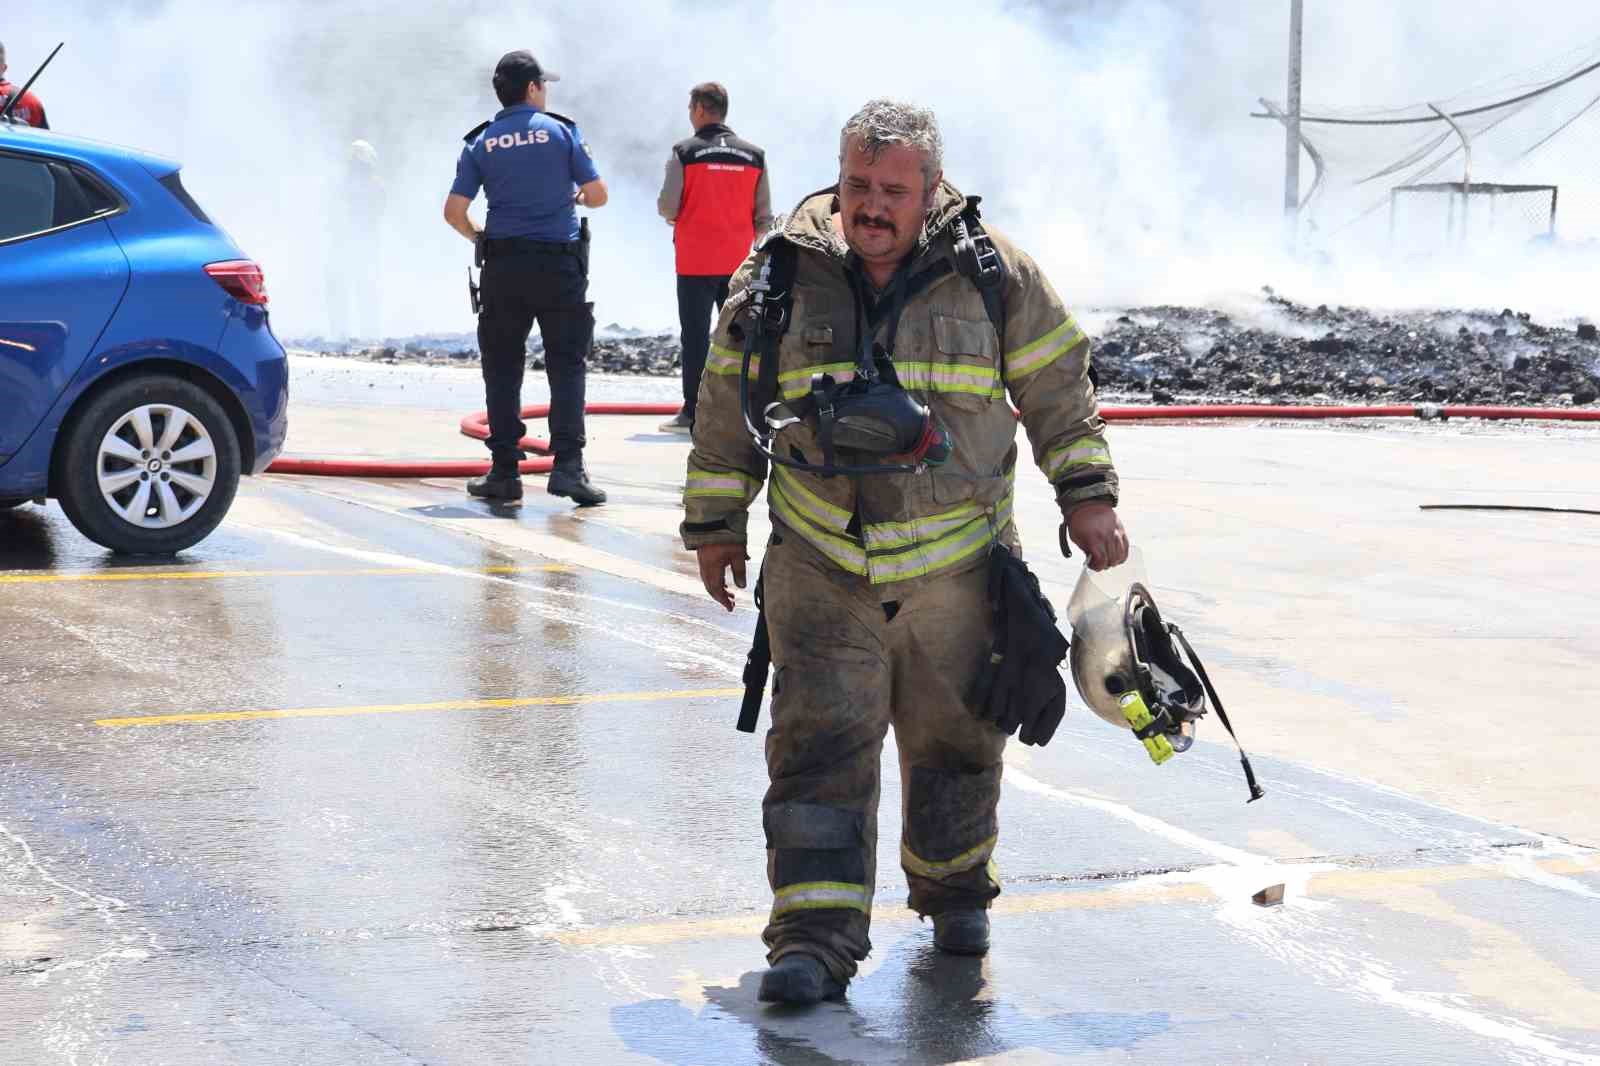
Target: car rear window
[
  {"x": 174, "y": 184},
  {"x": 27, "y": 197},
  {"x": 41, "y": 195}
]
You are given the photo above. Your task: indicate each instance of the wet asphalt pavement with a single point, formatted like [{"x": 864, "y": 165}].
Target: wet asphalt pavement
[{"x": 378, "y": 774}]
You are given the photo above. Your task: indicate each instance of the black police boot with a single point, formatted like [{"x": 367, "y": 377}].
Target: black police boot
[
  {"x": 963, "y": 932},
  {"x": 502, "y": 482},
  {"x": 799, "y": 979},
  {"x": 571, "y": 480}
]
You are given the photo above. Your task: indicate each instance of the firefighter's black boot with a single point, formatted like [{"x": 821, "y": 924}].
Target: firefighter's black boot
[
  {"x": 569, "y": 479},
  {"x": 800, "y": 979},
  {"x": 963, "y": 932},
  {"x": 502, "y": 482}
]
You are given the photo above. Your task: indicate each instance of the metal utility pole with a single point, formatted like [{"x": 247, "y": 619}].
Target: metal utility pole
[{"x": 1291, "y": 173}]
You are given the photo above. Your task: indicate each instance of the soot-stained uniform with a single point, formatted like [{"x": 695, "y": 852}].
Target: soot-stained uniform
[{"x": 875, "y": 586}]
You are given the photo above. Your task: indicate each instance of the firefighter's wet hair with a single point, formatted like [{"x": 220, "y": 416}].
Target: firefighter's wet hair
[{"x": 882, "y": 123}]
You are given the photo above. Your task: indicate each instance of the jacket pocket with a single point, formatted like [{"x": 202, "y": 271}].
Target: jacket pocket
[
  {"x": 964, "y": 371},
  {"x": 949, "y": 487}
]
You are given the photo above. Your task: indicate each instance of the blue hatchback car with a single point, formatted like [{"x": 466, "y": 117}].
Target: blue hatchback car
[{"x": 139, "y": 376}]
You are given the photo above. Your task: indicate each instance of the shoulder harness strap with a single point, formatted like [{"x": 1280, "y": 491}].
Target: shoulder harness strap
[
  {"x": 772, "y": 297},
  {"x": 979, "y": 262}
]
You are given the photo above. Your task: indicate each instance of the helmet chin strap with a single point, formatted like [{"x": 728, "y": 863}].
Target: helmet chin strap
[{"x": 1177, "y": 701}]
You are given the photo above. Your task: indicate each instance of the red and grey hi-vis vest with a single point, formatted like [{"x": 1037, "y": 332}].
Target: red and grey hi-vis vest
[{"x": 715, "y": 225}]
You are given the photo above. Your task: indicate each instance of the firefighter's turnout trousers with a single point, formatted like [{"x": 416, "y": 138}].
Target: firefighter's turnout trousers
[{"x": 846, "y": 666}]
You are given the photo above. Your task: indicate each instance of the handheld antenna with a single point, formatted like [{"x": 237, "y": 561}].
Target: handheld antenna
[{"x": 5, "y": 113}]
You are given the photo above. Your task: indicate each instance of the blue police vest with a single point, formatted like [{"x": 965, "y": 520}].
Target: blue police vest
[{"x": 528, "y": 163}]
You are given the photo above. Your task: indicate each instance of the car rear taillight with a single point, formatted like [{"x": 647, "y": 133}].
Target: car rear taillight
[{"x": 242, "y": 279}]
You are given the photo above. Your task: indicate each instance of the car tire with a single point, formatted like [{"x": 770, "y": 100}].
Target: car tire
[{"x": 149, "y": 467}]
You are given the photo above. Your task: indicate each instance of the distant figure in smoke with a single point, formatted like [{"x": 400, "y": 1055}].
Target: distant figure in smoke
[
  {"x": 28, "y": 109},
  {"x": 354, "y": 300},
  {"x": 535, "y": 170},
  {"x": 716, "y": 197}
]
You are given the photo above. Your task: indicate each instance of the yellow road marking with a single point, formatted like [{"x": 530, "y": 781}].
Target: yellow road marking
[
  {"x": 413, "y": 708},
  {"x": 211, "y": 575},
  {"x": 1356, "y": 882}
]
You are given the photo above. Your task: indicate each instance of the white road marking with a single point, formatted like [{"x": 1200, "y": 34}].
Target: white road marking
[
  {"x": 103, "y": 905},
  {"x": 660, "y": 640},
  {"x": 1291, "y": 933}
]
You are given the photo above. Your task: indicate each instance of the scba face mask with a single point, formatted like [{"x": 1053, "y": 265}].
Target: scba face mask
[
  {"x": 1136, "y": 670},
  {"x": 867, "y": 416}
]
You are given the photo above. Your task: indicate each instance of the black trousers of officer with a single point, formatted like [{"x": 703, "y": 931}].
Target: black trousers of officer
[
  {"x": 697, "y": 294},
  {"x": 521, "y": 287}
]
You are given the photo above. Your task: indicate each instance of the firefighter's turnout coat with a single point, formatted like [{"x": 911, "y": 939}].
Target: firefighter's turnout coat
[{"x": 895, "y": 531}]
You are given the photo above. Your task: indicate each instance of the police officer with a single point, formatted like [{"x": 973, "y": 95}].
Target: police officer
[{"x": 535, "y": 259}]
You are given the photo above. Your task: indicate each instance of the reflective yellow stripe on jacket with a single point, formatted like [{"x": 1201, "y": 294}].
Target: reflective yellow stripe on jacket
[
  {"x": 950, "y": 377},
  {"x": 815, "y": 520},
  {"x": 726, "y": 361},
  {"x": 887, "y": 551},
  {"x": 919, "y": 376},
  {"x": 882, "y": 536},
  {"x": 731, "y": 484},
  {"x": 1086, "y": 452},
  {"x": 897, "y": 551},
  {"x": 1038, "y": 354}
]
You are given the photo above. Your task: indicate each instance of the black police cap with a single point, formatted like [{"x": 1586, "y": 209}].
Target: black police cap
[{"x": 519, "y": 68}]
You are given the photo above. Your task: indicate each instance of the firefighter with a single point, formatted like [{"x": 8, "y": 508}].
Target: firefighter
[
  {"x": 874, "y": 585},
  {"x": 716, "y": 197},
  {"x": 535, "y": 168}
]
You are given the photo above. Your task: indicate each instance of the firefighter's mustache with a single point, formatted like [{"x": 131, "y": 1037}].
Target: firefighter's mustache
[{"x": 868, "y": 222}]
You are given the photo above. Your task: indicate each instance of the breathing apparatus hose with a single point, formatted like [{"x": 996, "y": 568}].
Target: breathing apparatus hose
[{"x": 476, "y": 426}]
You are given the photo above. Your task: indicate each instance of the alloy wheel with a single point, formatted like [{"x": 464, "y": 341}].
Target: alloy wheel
[{"x": 156, "y": 466}]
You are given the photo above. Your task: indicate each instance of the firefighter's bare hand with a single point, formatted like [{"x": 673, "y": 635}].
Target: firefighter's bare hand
[
  {"x": 714, "y": 562},
  {"x": 1095, "y": 528}
]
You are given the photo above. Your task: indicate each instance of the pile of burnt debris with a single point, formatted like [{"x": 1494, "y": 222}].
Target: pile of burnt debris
[
  {"x": 1277, "y": 351},
  {"x": 617, "y": 350},
  {"x": 1287, "y": 352}
]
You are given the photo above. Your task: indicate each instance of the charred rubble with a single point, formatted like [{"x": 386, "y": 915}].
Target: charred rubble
[
  {"x": 617, "y": 350},
  {"x": 1278, "y": 352},
  {"x": 1292, "y": 353}
]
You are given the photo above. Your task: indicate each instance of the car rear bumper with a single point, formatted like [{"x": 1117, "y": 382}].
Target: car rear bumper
[{"x": 249, "y": 345}]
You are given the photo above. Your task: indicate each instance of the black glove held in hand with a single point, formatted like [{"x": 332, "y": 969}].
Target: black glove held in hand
[{"x": 1020, "y": 684}]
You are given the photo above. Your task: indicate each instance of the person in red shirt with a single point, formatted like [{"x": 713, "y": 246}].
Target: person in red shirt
[
  {"x": 28, "y": 109},
  {"x": 716, "y": 198}
]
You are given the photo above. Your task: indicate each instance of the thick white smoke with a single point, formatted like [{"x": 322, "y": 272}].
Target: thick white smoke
[{"x": 1110, "y": 137}]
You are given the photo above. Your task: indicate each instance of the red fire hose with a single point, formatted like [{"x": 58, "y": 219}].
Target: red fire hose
[{"x": 476, "y": 426}]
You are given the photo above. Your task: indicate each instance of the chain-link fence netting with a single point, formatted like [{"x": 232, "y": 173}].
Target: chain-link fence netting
[
  {"x": 1443, "y": 215},
  {"x": 1383, "y": 175}
]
